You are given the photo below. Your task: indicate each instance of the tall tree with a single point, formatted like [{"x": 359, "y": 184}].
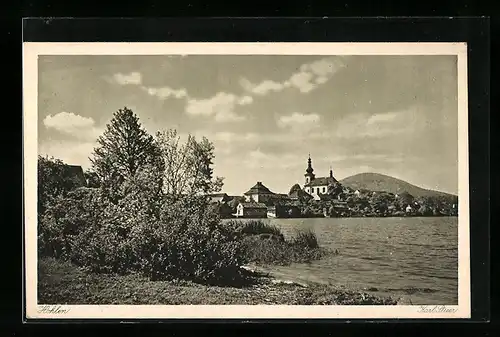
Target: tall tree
[
  {"x": 123, "y": 148},
  {"x": 187, "y": 166}
]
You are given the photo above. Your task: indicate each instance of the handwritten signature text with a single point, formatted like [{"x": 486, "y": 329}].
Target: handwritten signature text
[
  {"x": 52, "y": 309},
  {"x": 436, "y": 309}
]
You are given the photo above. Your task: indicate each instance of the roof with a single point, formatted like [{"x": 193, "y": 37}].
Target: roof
[
  {"x": 253, "y": 205},
  {"x": 321, "y": 181},
  {"x": 217, "y": 195},
  {"x": 77, "y": 172},
  {"x": 258, "y": 188},
  {"x": 300, "y": 194}
]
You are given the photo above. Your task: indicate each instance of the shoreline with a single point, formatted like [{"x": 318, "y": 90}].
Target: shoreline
[
  {"x": 347, "y": 217},
  {"x": 63, "y": 283}
]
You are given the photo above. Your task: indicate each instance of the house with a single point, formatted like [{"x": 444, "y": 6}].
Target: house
[
  {"x": 300, "y": 195},
  {"x": 219, "y": 198},
  {"x": 283, "y": 211},
  {"x": 251, "y": 210},
  {"x": 261, "y": 194},
  {"x": 75, "y": 172},
  {"x": 317, "y": 185},
  {"x": 258, "y": 193},
  {"x": 409, "y": 209},
  {"x": 224, "y": 210}
]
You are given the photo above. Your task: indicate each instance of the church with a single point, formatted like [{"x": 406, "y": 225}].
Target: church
[{"x": 316, "y": 186}]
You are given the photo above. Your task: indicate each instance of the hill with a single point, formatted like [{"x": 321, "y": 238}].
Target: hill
[{"x": 381, "y": 182}]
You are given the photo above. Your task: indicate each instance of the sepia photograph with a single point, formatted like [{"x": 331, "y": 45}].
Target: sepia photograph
[{"x": 184, "y": 180}]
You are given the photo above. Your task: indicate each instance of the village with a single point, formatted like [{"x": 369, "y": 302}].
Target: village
[{"x": 322, "y": 197}]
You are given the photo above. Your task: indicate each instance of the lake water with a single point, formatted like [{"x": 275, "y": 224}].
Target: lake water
[{"x": 416, "y": 258}]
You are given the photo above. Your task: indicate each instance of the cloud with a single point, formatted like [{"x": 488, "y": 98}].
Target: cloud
[
  {"x": 309, "y": 76},
  {"x": 67, "y": 120},
  {"x": 135, "y": 78},
  {"x": 227, "y": 137},
  {"x": 324, "y": 67},
  {"x": 166, "y": 92},
  {"x": 382, "y": 117},
  {"x": 70, "y": 152},
  {"x": 73, "y": 125},
  {"x": 245, "y": 100},
  {"x": 221, "y": 107},
  {"x": 131, "y": 78},
  {"x": 302, "y": 81},
  {"x": 321, "y": 80},
  {"x": 380, "y": 125},
  {"x": 259, "y": 159},
  {"x": 369, "y": 157},
  {"x": 299, "y": 121},
  {"x": 267, "y": 86}
]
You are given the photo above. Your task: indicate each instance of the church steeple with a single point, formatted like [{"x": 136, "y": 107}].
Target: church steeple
[
  {"x": 331, "y": 172},
  {"x": 309, "y": 171}
]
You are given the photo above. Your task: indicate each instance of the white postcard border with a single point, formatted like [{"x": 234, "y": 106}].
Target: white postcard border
[{"x": 31, "y": 51}]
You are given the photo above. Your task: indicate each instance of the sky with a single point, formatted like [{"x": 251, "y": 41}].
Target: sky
[{"x": 395, "y": 115}]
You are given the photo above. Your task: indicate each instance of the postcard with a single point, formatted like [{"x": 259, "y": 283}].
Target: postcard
[{"x": 246, "y": 180}]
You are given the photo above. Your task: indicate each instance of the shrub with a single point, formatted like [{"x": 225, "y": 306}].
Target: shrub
[
  {"x": 182, "y": 239},
  {"x": 301, "y": 248},
  {"x": 253, "y": 227},
  {"x": 65, "y": 219},
  {"x": 305, "y": 238},
  {"x": 189, "y": 242}
]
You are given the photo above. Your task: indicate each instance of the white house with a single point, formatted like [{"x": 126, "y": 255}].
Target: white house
[{"x": 251, "y": 210}]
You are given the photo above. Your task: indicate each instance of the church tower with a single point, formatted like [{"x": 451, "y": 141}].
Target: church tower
[{"x": 309, "y": 171}]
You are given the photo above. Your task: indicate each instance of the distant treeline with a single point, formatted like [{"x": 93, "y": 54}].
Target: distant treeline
[{"x": 381, "y": 204}]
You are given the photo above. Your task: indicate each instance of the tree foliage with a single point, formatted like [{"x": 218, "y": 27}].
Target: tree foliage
[
  {"x": 92, "y": 179},
  {"x": 294, "y": 188},
  {"x": 187, "y": 169},
  {"x": 123, "y": 148},
  {"x": 334, "y": 189}
]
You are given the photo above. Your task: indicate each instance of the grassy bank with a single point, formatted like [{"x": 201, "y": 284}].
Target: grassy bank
[
  {"x": 265, "y": 244},
  {"x": 63, "y": 283}
]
